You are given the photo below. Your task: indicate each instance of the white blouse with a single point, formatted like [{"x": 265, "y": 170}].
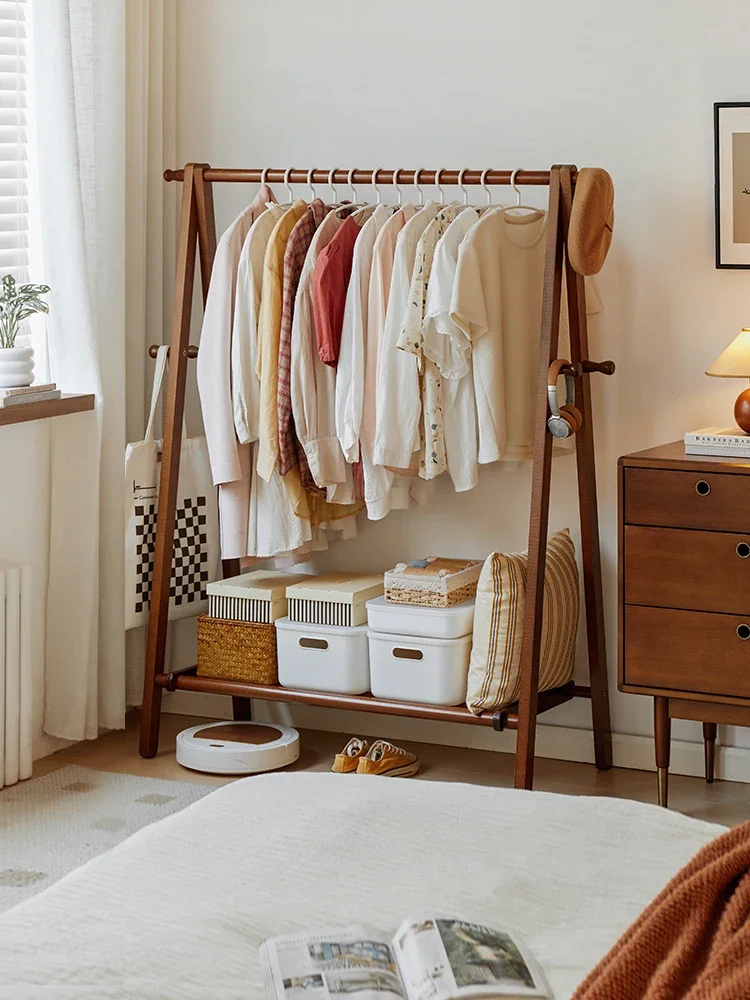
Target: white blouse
[
  {"x": 398, "y": 402},
  {"x": 350, "y": 373}
]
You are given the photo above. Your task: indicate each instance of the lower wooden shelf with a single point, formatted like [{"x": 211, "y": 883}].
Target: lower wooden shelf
[{"x": 187, "y": 680}]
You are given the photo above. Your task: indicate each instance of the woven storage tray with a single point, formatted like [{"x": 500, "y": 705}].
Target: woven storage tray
[
  {"x": 237, "y": 651},
  {"x": 430, "y": 599}
]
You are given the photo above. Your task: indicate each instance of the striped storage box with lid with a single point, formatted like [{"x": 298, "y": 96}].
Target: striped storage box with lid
[
  {"x": 259, "y": 596},
  {"x": 333, "y": 598}
]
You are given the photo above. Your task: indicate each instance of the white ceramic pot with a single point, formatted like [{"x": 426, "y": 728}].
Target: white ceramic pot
[{"x": 16, "y": 367}]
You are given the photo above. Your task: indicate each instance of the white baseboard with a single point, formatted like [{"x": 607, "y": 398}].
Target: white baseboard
[{"x": 555, "y": 742}]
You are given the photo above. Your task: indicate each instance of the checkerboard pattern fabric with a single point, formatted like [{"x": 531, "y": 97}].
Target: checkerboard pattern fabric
[{"x": 190, "y": 570}]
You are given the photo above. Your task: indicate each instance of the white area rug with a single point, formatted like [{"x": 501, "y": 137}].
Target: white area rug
[{"x": 51, "y": 825}]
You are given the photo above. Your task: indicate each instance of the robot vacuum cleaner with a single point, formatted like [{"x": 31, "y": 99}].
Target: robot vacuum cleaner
[{"x": 237, "y": 747}]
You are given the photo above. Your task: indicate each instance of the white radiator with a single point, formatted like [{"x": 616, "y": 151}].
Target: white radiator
[{"x": 15, "y": 674}]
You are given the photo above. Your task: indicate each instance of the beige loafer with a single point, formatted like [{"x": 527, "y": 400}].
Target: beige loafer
[
  {"x": 386, "y": 759},
  {"x": 346, "y": 761}
]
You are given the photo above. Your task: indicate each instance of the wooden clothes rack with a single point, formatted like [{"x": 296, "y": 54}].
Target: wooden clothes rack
[{"x": 197, "y": 235}]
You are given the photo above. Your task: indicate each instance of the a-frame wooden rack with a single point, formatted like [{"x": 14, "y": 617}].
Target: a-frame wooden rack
[{"x": 197, "y": 234}]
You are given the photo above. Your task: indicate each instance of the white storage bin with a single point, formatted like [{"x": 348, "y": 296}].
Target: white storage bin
[
  {"x": 410, "y": 619},
  {"x": 323, "y": 657},
  {"x": 411, "y": 668}
]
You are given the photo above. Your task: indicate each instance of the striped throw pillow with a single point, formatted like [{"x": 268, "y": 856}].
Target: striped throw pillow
[{"x": 494, "y": 671}]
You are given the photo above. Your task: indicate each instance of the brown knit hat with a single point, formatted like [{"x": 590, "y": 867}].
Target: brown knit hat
[{"x": 592, "y": 220}]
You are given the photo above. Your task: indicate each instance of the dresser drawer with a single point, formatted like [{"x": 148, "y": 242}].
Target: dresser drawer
[
  {"x": 712, "y": 501},
  {"x": 695, "y": 570},
  {"x": 687, "y": 651}
]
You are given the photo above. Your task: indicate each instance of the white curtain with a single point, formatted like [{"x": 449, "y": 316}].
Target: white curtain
[
  {"x": 152, "y": 208},
  {"x": 101, "y": 212}
]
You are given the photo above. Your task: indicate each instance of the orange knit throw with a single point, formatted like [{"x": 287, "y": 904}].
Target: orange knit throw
[{"x": 693, "y": 941}]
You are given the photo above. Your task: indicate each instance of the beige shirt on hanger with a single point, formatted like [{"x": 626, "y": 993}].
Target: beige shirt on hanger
[
  {"x": 269, "y": 329},
  {"x": 433, "y": 460},
  {"x": 497, "y": 306},
  {"x": 245, "y": 382},
  {"x": 230, "y": 462}
]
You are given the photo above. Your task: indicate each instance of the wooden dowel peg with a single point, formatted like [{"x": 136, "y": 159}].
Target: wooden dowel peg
[
  {"x": 191, "y": 352},
  {"x": 602, "y": 367}
]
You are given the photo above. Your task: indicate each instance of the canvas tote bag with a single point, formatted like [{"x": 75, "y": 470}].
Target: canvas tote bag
[{"x": 196, "y": 560}]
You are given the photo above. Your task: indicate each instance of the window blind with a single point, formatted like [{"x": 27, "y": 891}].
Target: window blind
[{"x": 14, "y": 192}]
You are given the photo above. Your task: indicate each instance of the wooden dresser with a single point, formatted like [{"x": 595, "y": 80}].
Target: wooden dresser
[{"x": 684, "y": 591}]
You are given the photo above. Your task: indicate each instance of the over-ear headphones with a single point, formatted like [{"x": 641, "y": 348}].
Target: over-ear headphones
[{"x": 563, "y": 421}]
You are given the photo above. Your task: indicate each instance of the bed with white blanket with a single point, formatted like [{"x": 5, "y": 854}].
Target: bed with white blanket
[{"x": 177, "y": 912}]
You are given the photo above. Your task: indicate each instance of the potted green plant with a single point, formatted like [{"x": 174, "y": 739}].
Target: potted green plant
[{"x": 17, "y": 303}]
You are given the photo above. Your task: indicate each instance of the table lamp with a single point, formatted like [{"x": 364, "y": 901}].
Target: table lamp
[{"x": 735, "y": 363}]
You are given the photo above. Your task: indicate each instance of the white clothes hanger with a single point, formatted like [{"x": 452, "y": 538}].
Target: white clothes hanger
[
  {"x": 415, "y": 183},
  {"x": 289, "y": 191},
  {"x": 332, "y": 186},
  {"x": 534, "y": 213},
  {"x": 438, "y": 185},
  {"x": 310, "y": 184},
  {"x": 399, "y": 192},
  {"x": 483, "y": 182},
  {"x": 374, "y": 182},
  {"x": 464, "y": 189}
]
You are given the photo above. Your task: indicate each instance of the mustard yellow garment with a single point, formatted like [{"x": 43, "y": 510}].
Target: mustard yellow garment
[{"x": 269, "y": 329}]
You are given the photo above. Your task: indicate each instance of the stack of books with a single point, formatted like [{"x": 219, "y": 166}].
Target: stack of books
[
  {"x": 728, "y": 442},
  {"x": 28, "y": 394}
]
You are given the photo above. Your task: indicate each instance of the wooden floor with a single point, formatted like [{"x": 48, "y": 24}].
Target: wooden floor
[{"x": 723, "y": 802}]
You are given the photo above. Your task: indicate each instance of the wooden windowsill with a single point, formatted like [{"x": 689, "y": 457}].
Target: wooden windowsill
[{"x": 45, "y": 408}]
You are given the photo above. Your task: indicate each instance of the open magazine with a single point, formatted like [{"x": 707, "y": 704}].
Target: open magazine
[{"x": 434, "y": 958}]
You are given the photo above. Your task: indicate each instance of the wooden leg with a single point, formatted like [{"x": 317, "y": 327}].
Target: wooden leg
[
  {"x": 662, "y": 732},
  {"x": 170, "y": 466},
  {"x": 540, "y": 489},
  {"x": 242, "y": 709},
  {"x": 588, "y": 510},
  {"x": 709, "y": 745}
]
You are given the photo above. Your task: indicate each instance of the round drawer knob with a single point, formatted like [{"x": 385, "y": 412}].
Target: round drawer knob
[
  {"x": 743, "y": 550},
  {"x": 743, "y": 631},
  {"x": 702, "y": 488}
]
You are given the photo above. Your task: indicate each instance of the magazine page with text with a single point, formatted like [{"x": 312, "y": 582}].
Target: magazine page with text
[
  {"x": 441, "y": 959},
  {"x": 331, "y": 965}
]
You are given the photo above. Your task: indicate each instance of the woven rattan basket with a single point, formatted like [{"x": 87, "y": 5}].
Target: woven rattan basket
[{"x": 237, "y": 651}]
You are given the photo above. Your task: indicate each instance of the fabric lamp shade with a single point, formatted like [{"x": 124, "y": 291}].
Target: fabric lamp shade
[{"x": 734, "y": 362}]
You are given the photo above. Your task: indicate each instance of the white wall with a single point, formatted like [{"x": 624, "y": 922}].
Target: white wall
[{"x": 625, "y": 85}]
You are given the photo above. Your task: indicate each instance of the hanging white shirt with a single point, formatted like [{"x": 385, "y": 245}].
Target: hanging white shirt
[
  {"x": 384, "y": 491},
  {"x": 230, "y": 461},
  {"x": 447, "y": 348},
  {"x": 398, "y": 402},
  {"x": 350, "y": 372}
]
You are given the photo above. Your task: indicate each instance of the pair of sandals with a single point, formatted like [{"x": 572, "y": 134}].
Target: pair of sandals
[{"x": 383, "y": 758}]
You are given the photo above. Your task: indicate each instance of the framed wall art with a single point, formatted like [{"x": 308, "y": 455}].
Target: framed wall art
[{"x": 732, "y": 183}]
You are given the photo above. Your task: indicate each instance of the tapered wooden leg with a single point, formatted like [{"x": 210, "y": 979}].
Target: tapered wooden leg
[
  {"x": 662, "y": 733},
  {"x": 540, "y": 488},
  {"x": 709, "y": 746},
  {"x": 242, "y": 709},
  {"x": 170, "y": 466},
  {"x": 588, "y": 508}
]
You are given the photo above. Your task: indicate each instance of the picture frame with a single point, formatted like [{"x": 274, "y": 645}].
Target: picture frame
[{"x": 732, "y": 183}]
